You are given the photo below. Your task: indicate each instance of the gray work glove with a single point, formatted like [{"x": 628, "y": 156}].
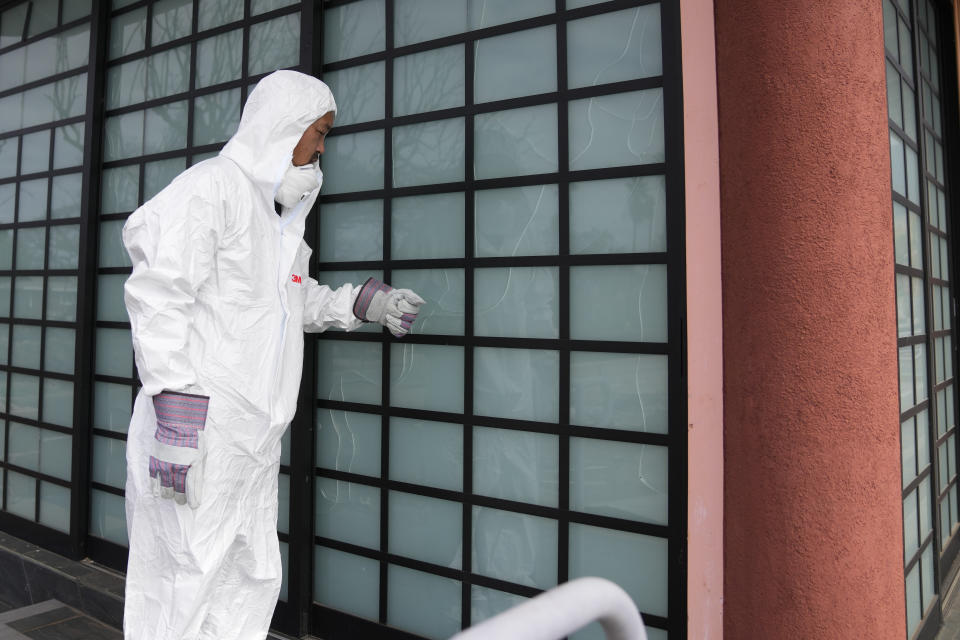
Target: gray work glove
[{"x": 396, "y": 309}]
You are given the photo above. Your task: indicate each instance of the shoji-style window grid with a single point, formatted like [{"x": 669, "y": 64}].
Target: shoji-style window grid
[
  {"x": 178, "y": 72},
  {"x": 45, "y": 48},
  {"x": 463, "y": 178},
  {"x": 925, "y": 317}
]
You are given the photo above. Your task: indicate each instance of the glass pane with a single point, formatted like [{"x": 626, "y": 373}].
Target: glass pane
[
  {"x": 427, "y": 153},
  {"x": 420, "y": 20},
  {"x": 426, "y": 376},
  {"x": 13, "y": 67},
  {"x": 28, "y": 297},
  {"x": 68, "y": 146},
  {"x": 619, "y": 479},
  {"x": 33, "y": 200},
  {"x": 107, "y": 517},
  {"x": 517, "y": 221},
  {"x": 123, "y": 136},
  {"x": 634, "y": 300},
  {"x": 493, "y": 12},
  {"x": 274, "y": 44},
  {"x": 486, "y": 603},
  {"x": 219, "y": 58},
  {"x": 163, "y": 128},
  {"x": 23, "y": 449},
  {"x": 516, "y": 142},
  {"x": 121, "y": 187},
  {"x": 429, "y": 81},
  {"x": 9, "y": 148},
  {"x": 26, "y": 346},
  {"x": 348, "y": 512},
  {"x": 348, "y": 441},
  {"x": 6, "y": 249},
  {"x": 59, "y": 354},
  {"x": 351, "y": 231},
  {"x": 913, "y": 597},
  {"x": 441, "y": 213},
  {"x": 114, "y": 353},
  {"x": 36, "y": 152},
  {"x": 126, "y": 83},
  {"x": 110, "y": 305},
  {"x": 615, "y": 46},
  {"x": 349, "y": 371},
  {"x": 55, "y": 449},
  {"x": 518, "y": 302},
  {"x": 616, "y": 130},
  {"x": 55, "y": 506},
  {"x": 262, "y": 6},
  {"x": 64, "y": 247},
  {"x": 112, "y": 252},
  {"x": 112, "y": 404},
  {"x": 283, "y": 493},
  {"x": 25, "y": 395},
  {"x": 12, "y": 22},
  {"x": 31, "y": 248},
  {"x": 346, "y": 582},
  {"x": 172, "y": 19},
  {"x": 426, "y": 529},
  {"x": 127, "y": 32},
  {"x": 624, "y": 215},
  {"x": 353, "y": 29},
  {"x": 43, "y": 17},
  {"x": 354, "y": 162},
  {"x": 422, "y": 603},
  {"x": 426, "y": 453},
  {"x": 213, "y": 13},
  {"x": 516, "y": 465},
  {"x": 4, "y": 353},
  {"x": 359, "y": 91},
  {"x": 21, "y": 495},
  {"x": 285, "y": 568},
  {"x": 516, "y": 64},
  {"x": 897, "y": 169},
  {"x": 619, "y": 391},
  {"x": 168, "y": 72},
  {"x": 216, "y": 116},
  {"x": 515, "y": 547},
  {"x": 443, "y": 290},
  {"x": 157, "y": 175},
  {"x": 58, "y": 402},
  {"x": 65, "y": 201},
  {"x": 522, "y": 384},
  {"x": 7, "y": 202},
  {"x": 636, "y": 562},
  {"x": 61, "y": 298}
]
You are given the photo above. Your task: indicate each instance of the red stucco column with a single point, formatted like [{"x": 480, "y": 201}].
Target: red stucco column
[{"x": 812, "y": 512}]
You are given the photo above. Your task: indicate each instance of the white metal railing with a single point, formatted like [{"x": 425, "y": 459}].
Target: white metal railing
[{"x": 562, "y": 610}]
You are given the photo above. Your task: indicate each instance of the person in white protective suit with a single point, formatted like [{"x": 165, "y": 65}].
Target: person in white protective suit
[{"x": 218, "y": 300}]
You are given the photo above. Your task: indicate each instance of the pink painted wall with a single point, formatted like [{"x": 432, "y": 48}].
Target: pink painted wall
[
  {"x": 704, "y": 324},
  {"x": 812, "y": 512}
]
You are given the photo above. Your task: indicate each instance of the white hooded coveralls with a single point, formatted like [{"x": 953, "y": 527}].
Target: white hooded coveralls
[{"x": 218, "y": 299}]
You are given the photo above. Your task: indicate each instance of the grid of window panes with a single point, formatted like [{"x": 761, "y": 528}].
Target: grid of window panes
[
  {"x": 506, "y": 161},
  {"x": 177, "y": 74},
  {"x": 44, "y": 54},
  {"x": 924, "y": 299}
]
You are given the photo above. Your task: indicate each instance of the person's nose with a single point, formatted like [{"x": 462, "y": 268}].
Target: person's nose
[{"x": 320, "y": 148}]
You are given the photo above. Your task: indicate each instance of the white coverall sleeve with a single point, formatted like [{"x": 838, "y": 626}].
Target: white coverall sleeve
[
  {"x": 173, "y": 251},
  {"x": 325, "y": 307}
]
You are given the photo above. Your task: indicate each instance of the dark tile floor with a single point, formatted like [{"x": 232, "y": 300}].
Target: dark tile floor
[{"x": 51, "y": 620}]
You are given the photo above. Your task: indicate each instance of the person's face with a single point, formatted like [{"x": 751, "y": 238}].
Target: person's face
[{"x": 310, "y": 145}]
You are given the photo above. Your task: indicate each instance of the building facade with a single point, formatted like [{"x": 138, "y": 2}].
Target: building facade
[{"x": 689, "y": 324}]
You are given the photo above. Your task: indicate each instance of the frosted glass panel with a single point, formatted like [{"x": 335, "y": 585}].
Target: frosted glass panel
[
  {"x": 26, "y": 346},
  {"x": 354, "y": 162},
  {"x": 348, "y": 441},
  {"x": 610, "y": 47},
  {"x": 285, "y": 568},
  {"x": 65, "y": 201},
  {"x": 109, "y": 461},
  {"x": 114, "y": 353},
  {"x": 64, "y": 247},
  {"x": 33, "y": 200},
  {"x": 107, "y": 517},
  {"x": 271, "y": 44},
  {"x": 898, "y": 172},
  {"x": 120, "y": 188},
  {"x": 441, "y": 213},
  {"x": 21, "y": 495},
  {"x": 4, "y": 346},
  {"x": 517, "y": 302},
  {"x": 348, "y": 512},
  {"x": 55, "y": 506},
  {"x": 359, "y": 92},
  {"x": 7, "y": 202},
  {"x": 616, "y": 130},
  {"x": 110, "y": 298},
  {"x": 351, "y": 231},
  {"x": 486, "y": 603},
  {"x": 61, "y": 297},
  {"x": 24, "y": 395},
  {"x": 6, "y": 249},
  {"x": 425, "y": 376},
  {"x": 426, "y": 453},
  {"x": 420, "y": 20},
  {"x": 428, "y": 153},
  {"x": 75, "y": 10},
  {"x": 516, "y": 142},
  {"x": 28, "y": 297},
  {"x": 348, "y": 371},
  {"x": 213, "y": 13},
  {"x": 123, "y": 136},
  {"x": 68, "y": 146},
  {"x": 632, "y": 300},
  {"x": 262, "y": 6},
  {"x": 426, "y": 529},
  {"x": 521, "y": 384},
  {"x": 487, "y": 13},
  {"x": 23, "y": 450},
  {"x": 283, "y": 493},
  {"x": 429, "y": 81},
  {"x": 31, "y": 248},
  {"x": 353, "y": 30},
  {"x": 443, "y": 291},
  {"x": 35, "y": 155},
  {"x": 55, "y": 449},
  {"x": 163, "y": 128},
  {"x": 58, "y": 402},
  {"x": 216, "y": 116},
  {"x": 171, "y": 20},
  {"x": 519, "y": 221},
  {"x": 157, "y": 175},
  {"x": 516, "y": 64},
  {"x": 516, "y": 465},
  {"x": 112, "y": 252},
  {"x": 515, "y": 547},
  {"x": 619, "y": 479},
  {"x": 127, "y": 32},
  {"x": 126, "y": 83},
  {"x": 112, "y": 404},
  {"x": 9, "y": 148},
  {"x": 636, "y": 562},
  {"x": 219, "y": 58},
  {"x": 168, "y": 72},
  {"x": 347, "y": 582},
  {"x": 619, "y": 391},
  {"x": 422, "y": 603},
  {"x": 624, "y": 215}
]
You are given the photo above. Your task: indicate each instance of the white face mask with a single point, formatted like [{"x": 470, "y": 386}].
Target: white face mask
[{"x": 298, "y": 183}]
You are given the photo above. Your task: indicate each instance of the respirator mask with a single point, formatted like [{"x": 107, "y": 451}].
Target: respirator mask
[{"x": 298, "y": 183}]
